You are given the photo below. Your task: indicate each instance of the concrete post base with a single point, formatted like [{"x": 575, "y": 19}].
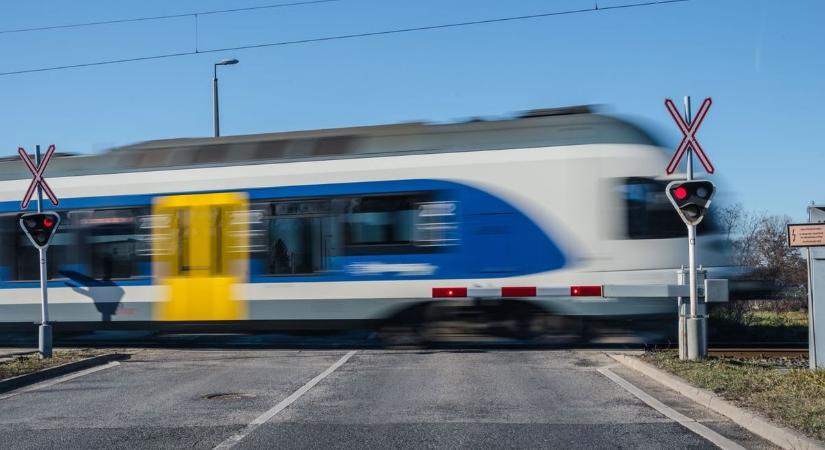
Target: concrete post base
[
  {"x": 45, "y": 340},
  {"x": 697, "y": 348}
]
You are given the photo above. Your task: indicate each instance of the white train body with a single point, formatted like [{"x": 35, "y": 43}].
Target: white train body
[{"x": 358, "y": 236}]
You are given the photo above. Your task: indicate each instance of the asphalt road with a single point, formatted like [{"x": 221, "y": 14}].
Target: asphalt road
[{"x": 366, "y": 398}]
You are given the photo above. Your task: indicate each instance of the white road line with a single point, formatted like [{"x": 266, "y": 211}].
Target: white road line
[
  {"x": 692, "y": 425},
  {"x": 50, "y": 383},
  {"x": 263, "y": 418}
]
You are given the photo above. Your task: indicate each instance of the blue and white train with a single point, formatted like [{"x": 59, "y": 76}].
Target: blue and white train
[{"x": 349, "y": 226}]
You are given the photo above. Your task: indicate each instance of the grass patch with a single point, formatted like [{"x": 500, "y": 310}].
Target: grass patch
[
  {"x": 777, "y": 319},
  {"x": 21, "y": 365},
  {"x": 782, "y": 389},
  {"x": 758, "y": 326}
]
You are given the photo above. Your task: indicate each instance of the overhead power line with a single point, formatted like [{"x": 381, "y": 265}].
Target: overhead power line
[
  {"x": 345, "y": 36},
  {"x": 168, "y": 16}
]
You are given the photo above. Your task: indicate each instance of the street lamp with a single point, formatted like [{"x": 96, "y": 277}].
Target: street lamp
[{"x": 225, "y": 62}]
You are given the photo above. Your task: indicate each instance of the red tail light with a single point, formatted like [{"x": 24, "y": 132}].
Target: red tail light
[
  {"x": 586, "y": 291},
  {"x": 449, "y": 292},
  {"x": 518, "y": 291}
]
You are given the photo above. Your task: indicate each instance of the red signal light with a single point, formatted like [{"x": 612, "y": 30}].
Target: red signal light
[
  {"x": 585, "y": 291},
  {"x": 453, "y": 292},
  {"x": 48, "y": 222},
  {"x": 680, "y": 193}
]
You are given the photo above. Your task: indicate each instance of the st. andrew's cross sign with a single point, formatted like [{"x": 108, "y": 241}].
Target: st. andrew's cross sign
[
  {"x": 689, "y": 136},
  {"x": 37, "y": 177}
]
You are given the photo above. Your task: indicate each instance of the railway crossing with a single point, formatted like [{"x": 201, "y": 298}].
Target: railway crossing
[{"x": 330, "y": 397}]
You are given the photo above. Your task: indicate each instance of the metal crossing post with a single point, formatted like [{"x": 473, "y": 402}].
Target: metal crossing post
[
  {"x": 696, "y": 325},
  {"x": 45, "y": 330},
  {"x": 816, "y": 295},
  {"x": 684, "y": 312},
  {"x": 40, "y": 228},
  {"x": 683, "y": 303}
]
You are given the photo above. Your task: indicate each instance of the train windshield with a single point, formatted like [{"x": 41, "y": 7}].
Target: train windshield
[{"x": 650, "y": 215}]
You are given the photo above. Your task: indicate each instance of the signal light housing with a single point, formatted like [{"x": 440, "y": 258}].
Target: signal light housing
[
  {"x": 40, "y": 227},
  {"x": 691, "y": 199}
]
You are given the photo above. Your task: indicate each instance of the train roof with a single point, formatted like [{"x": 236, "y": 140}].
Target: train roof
[{"x": 531, "y": 129}]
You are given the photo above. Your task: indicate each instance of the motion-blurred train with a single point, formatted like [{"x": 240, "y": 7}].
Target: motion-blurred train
[{"x": 350, "y": 226}]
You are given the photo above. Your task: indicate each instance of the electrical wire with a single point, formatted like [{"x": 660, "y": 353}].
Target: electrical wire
[
  {"x": 345, "y": 36},
  {"x": 168, "y": 16}
]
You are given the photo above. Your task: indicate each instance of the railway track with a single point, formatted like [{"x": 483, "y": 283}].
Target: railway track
[{"x": 733, "y": 352}]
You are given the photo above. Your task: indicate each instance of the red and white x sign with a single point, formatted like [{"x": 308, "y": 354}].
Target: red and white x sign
[
  {"x": 37, "y": 177},
  {"x": 689, "y": 139}
]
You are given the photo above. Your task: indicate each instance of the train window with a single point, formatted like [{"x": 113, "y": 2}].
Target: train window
[
  {"x": 383, "y": 224},
  {"x": 8, "y": 236},
  {"x": 112, "y": 242},
  {"x": 298, "y": 237},
  {"x": 650, "y": 215},
  {"x": 302, "y": 234},
  {"x": 154, "y": 235},
  {"x": 254, "y": 227},
  {"x": 436, "y": 224}
]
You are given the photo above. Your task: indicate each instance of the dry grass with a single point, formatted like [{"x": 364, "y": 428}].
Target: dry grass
[
  {"x": 782, "y": 389},
  {"x": 21, "y": 365}
]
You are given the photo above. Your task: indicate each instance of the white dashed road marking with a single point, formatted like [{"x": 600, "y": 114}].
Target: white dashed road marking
[
  {"x": 263, "y": 418},
  {"x": 683, "y": 420}
]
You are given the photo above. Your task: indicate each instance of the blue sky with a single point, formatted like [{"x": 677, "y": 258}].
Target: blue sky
[{"x": 760, "y": 60}]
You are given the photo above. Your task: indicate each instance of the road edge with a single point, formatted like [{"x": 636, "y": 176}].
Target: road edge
[
  {"x": 19, "y": 381},
  {"x": 756, "y": 424}
]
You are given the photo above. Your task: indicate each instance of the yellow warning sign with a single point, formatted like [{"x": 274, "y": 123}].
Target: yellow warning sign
[{"x": 806, "y": 235}]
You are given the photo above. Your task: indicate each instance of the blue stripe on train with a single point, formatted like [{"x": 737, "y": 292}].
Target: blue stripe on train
[{"x": 496, "y": 239}]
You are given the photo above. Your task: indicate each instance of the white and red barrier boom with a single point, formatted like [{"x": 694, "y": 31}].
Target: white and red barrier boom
[{"x": 714, "y": 290}]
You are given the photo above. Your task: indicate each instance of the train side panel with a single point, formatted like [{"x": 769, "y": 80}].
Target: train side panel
[{"x": 341, "y": 240}]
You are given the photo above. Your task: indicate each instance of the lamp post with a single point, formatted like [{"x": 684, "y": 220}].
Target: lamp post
[{"x": 225, "y": 62}]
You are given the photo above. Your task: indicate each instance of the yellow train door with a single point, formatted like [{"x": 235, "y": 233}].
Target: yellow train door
[{"x": 200, "y": 252}]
